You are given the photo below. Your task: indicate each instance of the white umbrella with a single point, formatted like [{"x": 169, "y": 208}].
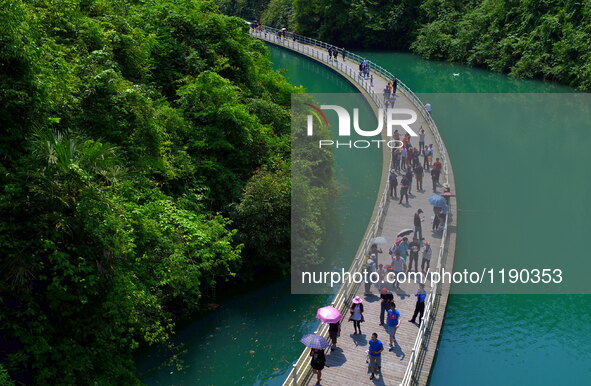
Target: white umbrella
[{"x": 379, "y": 240}]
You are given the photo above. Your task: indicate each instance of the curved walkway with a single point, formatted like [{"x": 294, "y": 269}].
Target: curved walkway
[{"x": 410, "y": 361}]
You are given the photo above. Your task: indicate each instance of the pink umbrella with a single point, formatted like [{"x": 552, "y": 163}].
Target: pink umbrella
[
  {"x": 329, "y": 314},
  {"x": 448, "y": 194}
]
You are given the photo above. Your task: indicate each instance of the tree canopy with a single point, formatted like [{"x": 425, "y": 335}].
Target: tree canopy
[{"x": 144, "y": 159}]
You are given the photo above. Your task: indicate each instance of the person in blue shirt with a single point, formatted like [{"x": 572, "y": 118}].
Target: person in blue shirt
[
  {"x": 403, "y": 248},
  {"x": 375, "y": 354},
  {"x": 393, "y": 323},
  {"x": 421, "y": 295}
]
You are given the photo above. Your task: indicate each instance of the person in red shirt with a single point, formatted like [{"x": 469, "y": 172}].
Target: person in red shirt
[{"x": 437, "y": 166}]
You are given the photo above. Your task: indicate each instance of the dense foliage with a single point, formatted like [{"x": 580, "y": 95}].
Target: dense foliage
[
  {"x": 144, "y": 159},
  {"x": 530, "y": 39}
]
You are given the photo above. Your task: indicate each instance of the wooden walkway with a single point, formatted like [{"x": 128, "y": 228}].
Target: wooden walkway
[{"x": 347, "y": 364}]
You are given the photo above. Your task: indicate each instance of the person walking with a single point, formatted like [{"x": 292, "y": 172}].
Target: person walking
[
  {"x": 386, "y": 297},
  {"x": 414, "y": 249},
  {"x": 318, "y": 362},
  {"x": 393, "y": 178},
  {"x": 421, "y": 295},
  {"x": 356, "y": 311},
  {"x": 427, "y": 252},
  {"x": 419, "y": 177},
  {"x": 404, "y": 189},
  {"x": 417, "y": 223},
  {"x": 393, "y": 324},
  {"x": 394, "y": 85},
  {"x": 375, "y": 355},
  {"x": 344, "y": 53},
  {"x": 428, "y": 108},
  {"x": 334, "y": 331}
]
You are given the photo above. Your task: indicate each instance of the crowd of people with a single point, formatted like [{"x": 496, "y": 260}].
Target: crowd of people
[
  {"x": 390, "y": 317},
  {"x": 334, "y": 52},
  {"x": 408, "y": 163}
]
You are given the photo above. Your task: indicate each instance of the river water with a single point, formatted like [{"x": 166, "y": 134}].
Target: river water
[{"x": 486, "y": 339}]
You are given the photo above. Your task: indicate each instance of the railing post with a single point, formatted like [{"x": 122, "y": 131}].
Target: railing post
[{"x": 295, "y": 375}]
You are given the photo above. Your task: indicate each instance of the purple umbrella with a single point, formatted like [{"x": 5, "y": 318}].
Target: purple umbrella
[
  {"x": 329, "y": 314},
  {"x": 314, "y": 341}
]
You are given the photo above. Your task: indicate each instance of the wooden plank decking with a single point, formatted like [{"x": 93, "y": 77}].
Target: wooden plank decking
[{"x": 347, "y": 364}]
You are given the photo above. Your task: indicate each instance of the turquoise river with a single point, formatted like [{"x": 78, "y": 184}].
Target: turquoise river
[{"x": 252, "y": 338}]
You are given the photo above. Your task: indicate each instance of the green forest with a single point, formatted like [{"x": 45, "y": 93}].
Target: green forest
[
  {"x": 145, "y": 162},
  {"x": 547, "y": 39},
  {"x": 146, "y": 155}
]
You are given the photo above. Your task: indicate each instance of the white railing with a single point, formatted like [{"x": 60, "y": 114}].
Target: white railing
[{"x": 301, "y": 371}]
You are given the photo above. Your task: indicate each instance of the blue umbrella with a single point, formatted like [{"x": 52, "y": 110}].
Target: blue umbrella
[
  {"x": 437, "y": 200},
  {"x": 314, "y": 341}
]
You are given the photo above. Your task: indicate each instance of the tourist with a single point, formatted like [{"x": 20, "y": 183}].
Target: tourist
[
  {"x": 318, "y": 362},
  {"x": 356, "y": 311},
  {"x": 436, "y": 211},
  {"x": 371, "y": 80},
  {"x": 405, "y": 141},
  {"x": 391, "y": 99},
  {"x": 414, "y": 248},
  {"x": 419, "y": 177},
  {"x": 393, "y": 324},
  {"x": 428, "y": 108},
  {"x": 409, "y": 150},
  {"x": 344, "y": 53},
  {"x": 415, "y": 157},
  {"x": 398, "y": 266},
  {"x": 426, "y": 163},
  {"x": 397, "y": 158},
  {"x": 386, "y": 94},
  {"x": 373, "y": 253},
  {"x": 370, "y": 267},
  {"x": 403, "y": 248},
  {"x": 394, "y": 85},
  {"x": 404, "y": 189},
  {"x": 393, "y": 179},
  {"x": 386, "y": 297},
  {"x": 396, "y": 135},
  {"x": 403, "y": 158},
  {"x": 421, "y": 295},
  {"x": 427, "y": 252},
  {"x": 421, "y": 139},
  {"x": 434, "y": 177},
  {"x": 375, "y": 354},
  {"x": 438, "y": 166},
  {"x": 334, "y": 331},
  {"x": 408, "y": 176},
  {"x": 417, "y": 223}
]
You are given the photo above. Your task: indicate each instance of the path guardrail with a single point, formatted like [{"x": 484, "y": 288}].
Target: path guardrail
[{"x": 301, "y": 371}]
